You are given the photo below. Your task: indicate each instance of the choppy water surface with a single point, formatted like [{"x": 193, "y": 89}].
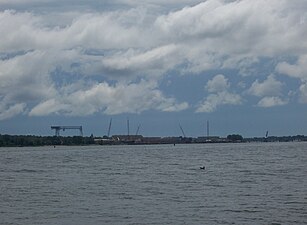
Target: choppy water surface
[{"x": 257, "y": 183}]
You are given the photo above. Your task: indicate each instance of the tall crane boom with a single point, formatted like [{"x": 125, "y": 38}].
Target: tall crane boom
[
  {"x": 182, "y": 130},
  {"x": 109, "y": 129},
  {"x": 138, "y": 129}
]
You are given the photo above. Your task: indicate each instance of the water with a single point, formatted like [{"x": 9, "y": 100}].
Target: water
[{"x": 257, "y": 183}]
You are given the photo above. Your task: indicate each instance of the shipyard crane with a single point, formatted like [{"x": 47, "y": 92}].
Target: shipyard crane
[
  {"x": 138, "y": 129},
  {"x": 267, "y": 134},
  {"x": 128, "y": 126},
  {"x": 109, "y": 129},
  {"x": 182, "y": 131},
  {"x": 58, "y": 128}
]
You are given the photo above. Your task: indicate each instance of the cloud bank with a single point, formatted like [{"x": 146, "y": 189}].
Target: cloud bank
[{"x": 111, "y": 58}]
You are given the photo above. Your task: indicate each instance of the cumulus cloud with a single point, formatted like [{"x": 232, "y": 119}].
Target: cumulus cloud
[
  {"x": 25, "y": 31},
  {"x": 219, "y": 87},
  {"x": 297, "y": 70},
  {"x": 219, "y": 25},
  {"x": 24, "y": 80},
  {"x": 211, "y": 103},
  {"x": 270, "y": 90},
  {"x": 117, "y": 46},
  {"x": 7, "y": 112},
  {"x": 217, "y": 84},
  {"x": 271, "y": 101},
  {"x": 121, "y": 98},
  {"x": 153, "y": 62},
  {"x": 269, "y": 87}
]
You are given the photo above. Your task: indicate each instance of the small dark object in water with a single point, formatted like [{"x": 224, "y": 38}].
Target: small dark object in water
[{"x": 202, "y": 167}]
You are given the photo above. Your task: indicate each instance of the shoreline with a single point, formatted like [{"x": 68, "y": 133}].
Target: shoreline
[{"x": 53, "y": 141}]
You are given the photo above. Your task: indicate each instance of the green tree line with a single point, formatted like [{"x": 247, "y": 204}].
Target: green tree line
[{"x": 30, "y": 140}]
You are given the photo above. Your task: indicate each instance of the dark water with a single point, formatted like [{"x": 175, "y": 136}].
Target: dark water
[{"x": 258, "y": 183}]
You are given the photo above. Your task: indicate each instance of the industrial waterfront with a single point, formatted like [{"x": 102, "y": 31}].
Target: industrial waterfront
[
  {"x": 31, "y": 140},
  {"x": 78, "y": 138}
]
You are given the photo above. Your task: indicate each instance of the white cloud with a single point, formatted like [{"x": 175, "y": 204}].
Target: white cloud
[
  {"x": 211, "y": 103},
  {"x": 298, "y": 70},
  {"x": 122, "y": 98},
  {"x": 115, "y": 44},
  {"x": 219, "y": 87},
  {"x": 270, "y": 90},
  {"x": 24, "y": 80},
  {"x": 11, "y": 111},
  {"x": 271, "y": 101},
  {"x": 303, "y": 93},
  {"x": 25, "y": 31},
  {"x": 217, "y": 84},
  {"x": 269, "y": 87},
  {"x": 51, "y": 106},
  {"x": 153, "y": 62},
  {"x": 239, "y": 27}
]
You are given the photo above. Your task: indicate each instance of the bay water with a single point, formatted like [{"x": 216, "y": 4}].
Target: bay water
[{"x": 246, "y": 183}]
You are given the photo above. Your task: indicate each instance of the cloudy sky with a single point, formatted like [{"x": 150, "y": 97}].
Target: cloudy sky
[{"x": 241, "y": 64}]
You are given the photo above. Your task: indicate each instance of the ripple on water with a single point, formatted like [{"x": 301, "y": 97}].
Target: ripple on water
[{"x": 257, "y": 183}]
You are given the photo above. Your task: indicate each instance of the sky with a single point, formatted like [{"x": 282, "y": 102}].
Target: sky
[{"x": 239, "y": 64}]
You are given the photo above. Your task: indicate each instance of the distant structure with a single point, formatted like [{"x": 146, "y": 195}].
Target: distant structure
[
  {"x": 109, "y": 129},
  {"x": 58, "y": 128},
  {"x": 208, "y": 134},
  {"x": 128, "y": 127},
  {"x": 138, "y": 129},
  {"x": 267, "y": 134},
  {"x": 182, "y": 131}
]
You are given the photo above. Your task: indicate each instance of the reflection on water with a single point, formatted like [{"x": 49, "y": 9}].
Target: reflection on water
[{"x": 257, "y": 183}]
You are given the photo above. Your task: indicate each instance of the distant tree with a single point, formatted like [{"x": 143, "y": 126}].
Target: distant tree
[
  {"x": 77, "y": 140},
  {"x": 235, "y": 137}
]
